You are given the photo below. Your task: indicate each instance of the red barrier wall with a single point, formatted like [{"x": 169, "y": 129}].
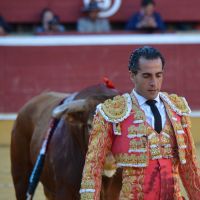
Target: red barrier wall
[
  {"x": 27, "y": 71},
  {"x": 19, "y": 11}
]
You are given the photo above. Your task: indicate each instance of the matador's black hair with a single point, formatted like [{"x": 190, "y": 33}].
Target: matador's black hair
[{"x": 146, "y": 52}]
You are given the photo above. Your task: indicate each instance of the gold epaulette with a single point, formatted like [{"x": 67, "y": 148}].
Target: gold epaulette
[
  {"x": 117, "y": 109},
  {"x": 178, "y": 104}
]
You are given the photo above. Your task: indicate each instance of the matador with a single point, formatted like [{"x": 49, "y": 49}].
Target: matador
[{"x": 148, "y": 133}]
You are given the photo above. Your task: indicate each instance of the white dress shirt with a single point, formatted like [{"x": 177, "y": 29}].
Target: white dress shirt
[{"x": 147, "y": 110}]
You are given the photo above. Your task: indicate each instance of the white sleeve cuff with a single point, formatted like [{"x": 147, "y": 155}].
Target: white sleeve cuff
[{"x": 86, "y": 190}]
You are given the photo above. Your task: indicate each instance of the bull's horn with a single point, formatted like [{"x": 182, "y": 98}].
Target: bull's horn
[{"x": 76, "y": 105}]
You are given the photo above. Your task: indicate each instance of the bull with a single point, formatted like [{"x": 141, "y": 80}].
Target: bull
[{"x": 64, "y": 161}]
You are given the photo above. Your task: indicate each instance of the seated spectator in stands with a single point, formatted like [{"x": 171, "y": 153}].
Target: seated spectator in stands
[
  {"x": 50, "y": 23},
  {"x": 5, "y": 28},
  {"x": 147, "y": 19},
  {"x": 91, "y": 22}
]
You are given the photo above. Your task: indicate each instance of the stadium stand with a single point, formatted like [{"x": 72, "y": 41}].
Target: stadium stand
[{"x": 27, "y": 11}]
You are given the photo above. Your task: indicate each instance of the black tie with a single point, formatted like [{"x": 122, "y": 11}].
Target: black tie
[{"x": 156, "y": 114}]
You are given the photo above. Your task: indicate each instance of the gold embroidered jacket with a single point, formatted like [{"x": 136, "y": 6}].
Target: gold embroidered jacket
[{"x": 136, "y": 143}]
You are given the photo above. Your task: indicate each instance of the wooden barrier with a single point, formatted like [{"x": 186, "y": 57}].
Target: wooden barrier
[
  {"x": 6, "y": 127},
  {"x": 31, "y": 65}
]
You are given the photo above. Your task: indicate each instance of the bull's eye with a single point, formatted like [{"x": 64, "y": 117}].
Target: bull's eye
[{"x": 89, "y": 126}]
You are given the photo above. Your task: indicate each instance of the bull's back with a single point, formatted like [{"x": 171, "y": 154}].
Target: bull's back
[
  {"x": 27, "y": 135},
  {"x": 37, "y": 109}
]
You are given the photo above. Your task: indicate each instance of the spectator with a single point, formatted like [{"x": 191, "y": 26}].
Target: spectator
[
  {"x": 147, "y": 19},
  {"x": 49, "y": 22},
  {"x": 5, "y": 28},
  {"x": 91, "y": 22}
]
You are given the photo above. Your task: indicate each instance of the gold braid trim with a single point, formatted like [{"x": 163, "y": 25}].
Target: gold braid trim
[
  {"x": 177, "y": 104},
  {"x": 87, "y": 196},
  {"x": 190, "y": 172},
  {"x": 99, "y": 144},
  {"x": 117, "y": 109},
  {"x": 180, "y": 103},
  {"x": 179, "y": 134},
  {"x": 132, "y": 184}
]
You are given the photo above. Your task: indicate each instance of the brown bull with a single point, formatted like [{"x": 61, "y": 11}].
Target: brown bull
[{"x": 62, "y": 172}]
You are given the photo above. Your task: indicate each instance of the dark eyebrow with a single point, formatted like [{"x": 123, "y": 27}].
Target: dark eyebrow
[
  {"x": 146, "y": 73},
  {"x": 159, "y": 73}
]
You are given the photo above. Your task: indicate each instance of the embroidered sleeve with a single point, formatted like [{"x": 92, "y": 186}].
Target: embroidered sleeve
[
  {"x": 99, "y": 144},
  {"x": 190, "y": 172}
]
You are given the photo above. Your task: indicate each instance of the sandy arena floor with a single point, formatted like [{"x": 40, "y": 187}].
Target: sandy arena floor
[{"x": 6, "y": 186}]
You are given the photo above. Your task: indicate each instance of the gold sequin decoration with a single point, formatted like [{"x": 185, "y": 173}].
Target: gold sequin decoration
[
  {"x": 99, "y": 143},
  {"x": 138, "y": 144},
  {"x": 137, "y": 130},
  {"x": 167, "y": 152},
  {"x": 138, "y": 113},
  {"x": 87, "y": 196},
  {"x": 115, "y": 108},
  {"x": 179, "y": 137},
  {"x": 182, "y": 154},
  {"x": 155, "y": 153},
  {"x": 186, "y": 121},
  {"x": 178, "y": 126},
  {"x": 154, "y": 140},
  {"x": 132, "y": 184},
  {"x": 136, "y": 160},
  {"x": 179, "y": 102},
  {"x": 180, "y": 140},
  {"x": 168, "y": 127},
  {"x": 165, "y": 140}
]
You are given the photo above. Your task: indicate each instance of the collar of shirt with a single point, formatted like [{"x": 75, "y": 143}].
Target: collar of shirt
[{"x": 141, "y": 100}]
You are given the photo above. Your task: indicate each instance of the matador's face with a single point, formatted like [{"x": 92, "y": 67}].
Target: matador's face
[{"x": 149, "y": 78}]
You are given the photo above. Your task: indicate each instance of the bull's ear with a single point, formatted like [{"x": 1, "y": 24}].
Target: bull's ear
[{"x": 71, "y": 107}]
